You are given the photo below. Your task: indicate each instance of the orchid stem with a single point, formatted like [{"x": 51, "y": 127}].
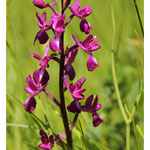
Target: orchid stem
[
  {"x": 62, "y": 99},
  {"x": 128, "y": 136}
]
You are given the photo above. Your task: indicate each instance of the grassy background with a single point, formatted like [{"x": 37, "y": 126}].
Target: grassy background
[{"x": 21, "y": 30}]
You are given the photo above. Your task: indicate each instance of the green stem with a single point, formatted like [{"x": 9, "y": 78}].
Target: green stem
[
  {"x": 116, "y": 82},
  {"x": 117, "y": 88},
  {"x": 127, "y": 136},
  {"x": 140, "y": 131},
  {"x": 113, "y": 66}
]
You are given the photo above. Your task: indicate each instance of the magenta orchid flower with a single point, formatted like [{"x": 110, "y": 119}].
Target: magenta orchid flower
[
  {"x": 40, "y": 4},
  {"x": 40, "y": 77},
  {"x": 58, "y": 28},
  {"x": 46, "y": 58},
  {"x": 75, "y": 90},
  {"x": 47, "y": 142},
  {"x": 75, "y": 107},
  {"x": 89, "y": 46},
  {"x": 89, "y": 107},
  {"x": 42, "y": 23},
  {"x": 68, "y": 63},
  {"x": 80, "y": 13}
]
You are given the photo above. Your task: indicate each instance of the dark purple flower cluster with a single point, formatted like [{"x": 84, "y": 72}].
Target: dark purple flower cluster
[{"x": 65, "y": 58}]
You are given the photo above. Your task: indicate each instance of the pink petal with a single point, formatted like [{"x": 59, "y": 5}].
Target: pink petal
[
  {"x": 97, "y": 119},
  {"x": 74, "y": 107},
  {"x": 79, "y": 83},
  {"x": 76, "y": 5},
  {"x": 46, "y": 50},
  {"x": 45, "y": 146},
  {"x": 55, "y": 44},
  {"x": 91, "y": 63},
  {"x": 89, "y": 100},
  {"x": 35, "y": 56},
  {"x": 39, "y": 3},
  {"x": 30, "y": 104},
  {"x": 70, "y": 71}
]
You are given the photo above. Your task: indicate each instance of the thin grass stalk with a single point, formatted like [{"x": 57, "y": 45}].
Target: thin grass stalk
[{"x": 116, "y": 82}]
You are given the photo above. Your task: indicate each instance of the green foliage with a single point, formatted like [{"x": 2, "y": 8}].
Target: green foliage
[{"x": 23, "y": 128}]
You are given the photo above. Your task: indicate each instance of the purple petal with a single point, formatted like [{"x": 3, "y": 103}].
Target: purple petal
[
  {"x": 95, "y": 42},
  {"x": 41, "y": 76},
  {"x": 45, "y": 77},
  {"x": 54, "y": 44},
  {"x": 42, "y": 133},
  {"x": 91, "y": 63},
  {"x": 39, "y": 3},
  {"x": 42, "y": 37},
  {"x": 46, "y": 50},
  {"x": 30, "y": 104},
  {"x": 42, "y": 20},
  {"x": 78, "y": 94},
  {"x": 71, "y": 56},
  {"x": 88, "y": 40},
  {"x": 44, "y": 137},
  {"x": 52, "y": 55},
  {"x": 97, "y": 119},
  {"x": 74, "y": 12},
  {"x": 70, "y": 71},
  {"x": 38, "y": 57},
  {"x": 51, "y": 139},
  {"x": 74, "y": 107},
  {"x": 45, "y": 146},
  {"x": 71, "y": 88},
  {"x": 36, "y": 75},
  {"x": 85, "y": 11},
  {"x": 96, "y": 106},
  {"x": 31, "y": 84},
  {"x": 76, "y": 5},
  {"x": 89, "y": 100},
  {"x": 27, "y": 89},
  {"x": 44, "y": 62},
  {"x": 85, "y": 27},
  {"x": 94, "y": 48},
  {"x": 66, "y": 82},
  {"x": 54, "y": 3},
  {"x": 79, "y": 83},
  {"x": 78, "y": 43}
]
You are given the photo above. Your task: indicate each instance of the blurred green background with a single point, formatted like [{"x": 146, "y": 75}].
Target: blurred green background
[{"x": 21, "y": 30}]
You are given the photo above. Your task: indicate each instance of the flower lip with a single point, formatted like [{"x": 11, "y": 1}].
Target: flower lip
[{"x": 97, "y": 119}]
